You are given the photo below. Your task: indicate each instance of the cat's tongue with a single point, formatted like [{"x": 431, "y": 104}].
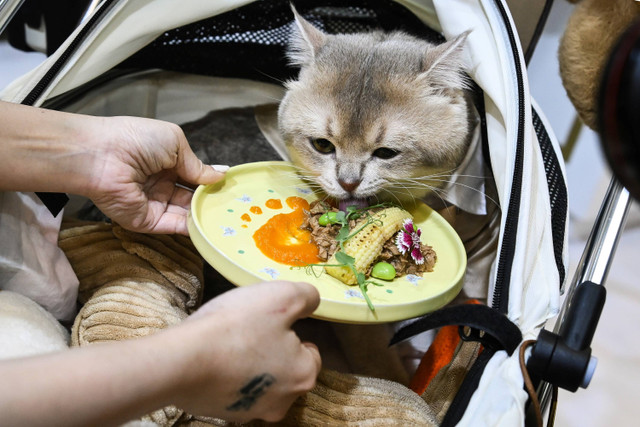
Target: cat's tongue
[{"x": 358, "y": 203}]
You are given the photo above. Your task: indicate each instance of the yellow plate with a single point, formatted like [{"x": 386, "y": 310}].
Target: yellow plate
[{"x": 225, "y": 240}]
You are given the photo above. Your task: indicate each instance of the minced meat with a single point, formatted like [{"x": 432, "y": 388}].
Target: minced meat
[{"x": 325, "y": 238}]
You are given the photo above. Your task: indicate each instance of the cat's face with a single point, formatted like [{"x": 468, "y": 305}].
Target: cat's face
[{"x": 374, "y": 115}]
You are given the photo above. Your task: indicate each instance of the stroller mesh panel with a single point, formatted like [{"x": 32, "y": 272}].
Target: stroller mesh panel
[{"x": 249, "y": 42}]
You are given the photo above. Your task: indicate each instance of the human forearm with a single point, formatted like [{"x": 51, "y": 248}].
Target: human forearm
[
  {"x": 104, "y": 384},
  {"x": 99, "y": 385},
  {"x": 236, "y": 358},
  {"x": 46, "y": 150}
]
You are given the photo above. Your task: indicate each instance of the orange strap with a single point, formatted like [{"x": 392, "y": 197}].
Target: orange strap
[{"x": 439, "y": 355}]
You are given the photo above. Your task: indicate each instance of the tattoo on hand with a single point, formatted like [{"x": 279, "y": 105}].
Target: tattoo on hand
[{"x": 251, "y": 392}]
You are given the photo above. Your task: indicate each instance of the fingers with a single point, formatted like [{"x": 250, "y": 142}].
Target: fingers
[
  {"x": 193, "y": 171},
  {"x": 180, "y": 198},
  {"x": 308, "y": 299},
  {"x": 303, "y": 300},
  {"x": 172, "y": 223},
  {"x": 311, "y": 297},
  {"x": 188, "y": 167},
  {"x": 172, "y": 216},
  {"x": 314, "y": 354}
]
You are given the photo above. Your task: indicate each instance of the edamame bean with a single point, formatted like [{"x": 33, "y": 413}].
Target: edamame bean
[
  {"x": 384, "y": 271},
  {"x": 327, "y": 218}
]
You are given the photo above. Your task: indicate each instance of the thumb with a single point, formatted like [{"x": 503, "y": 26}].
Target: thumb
[
  {"x": 193, "y": 171},
  {"x": 304, "y": 299}
]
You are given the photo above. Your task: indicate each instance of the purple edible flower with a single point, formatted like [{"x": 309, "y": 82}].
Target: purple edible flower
[
  {"x": 416, "y": 254},
  {"x": 408, "y": 240}
]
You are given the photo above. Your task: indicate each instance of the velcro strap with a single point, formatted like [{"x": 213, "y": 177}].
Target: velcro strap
[{"x": 488, "y": 326}]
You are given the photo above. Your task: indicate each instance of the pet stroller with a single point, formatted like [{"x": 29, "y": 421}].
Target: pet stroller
[{"x": 177, "y": 62}]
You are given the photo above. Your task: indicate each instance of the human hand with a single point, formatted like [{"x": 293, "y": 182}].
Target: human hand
[
  {"x": 136, "y": 172},
  {"x": 244, "y": 360},
  {"x": 129, "y": 166}
]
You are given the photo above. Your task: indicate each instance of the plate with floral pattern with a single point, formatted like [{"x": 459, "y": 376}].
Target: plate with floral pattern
[{"x": 225, "y": 216}]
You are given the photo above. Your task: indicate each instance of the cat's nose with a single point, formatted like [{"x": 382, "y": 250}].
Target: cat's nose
[{"x": 349, "y": 186}]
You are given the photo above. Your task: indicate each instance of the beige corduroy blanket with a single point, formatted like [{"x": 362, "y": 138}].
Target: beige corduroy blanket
[{"x": 134, "y": 284}]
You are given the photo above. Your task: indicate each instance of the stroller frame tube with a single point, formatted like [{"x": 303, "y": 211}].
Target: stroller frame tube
[
  {"x": 596, "y": 258},
  {"x": 8, "y": 8},
  {"x": 603, "y": 241}
]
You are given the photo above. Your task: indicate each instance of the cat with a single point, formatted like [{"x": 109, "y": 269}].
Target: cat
[{"x": 375, "y": 116}]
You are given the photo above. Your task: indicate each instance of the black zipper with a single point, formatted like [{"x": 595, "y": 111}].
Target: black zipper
[
  {"x": 459, "y": 405},
  {"x": 55, "y": 202},
  {"x": 503, "y": 276},
  {"x": 507, "y": 250},
  {"x": 53, "y": 71}
]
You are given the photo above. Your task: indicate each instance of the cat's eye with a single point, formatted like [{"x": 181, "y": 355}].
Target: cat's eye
[
  {"x": 322, "y": 145},
  {"x": 385, "y": 153}
]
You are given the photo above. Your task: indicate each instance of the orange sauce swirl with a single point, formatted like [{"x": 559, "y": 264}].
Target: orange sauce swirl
[
  {"x": 273, "y": 204},
  {"x": 281, "y": 238}
]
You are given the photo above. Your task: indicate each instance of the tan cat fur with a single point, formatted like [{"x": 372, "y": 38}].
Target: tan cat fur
[{"x": 371, "y": 91}]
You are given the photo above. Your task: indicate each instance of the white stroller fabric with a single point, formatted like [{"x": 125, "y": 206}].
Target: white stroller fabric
[
  {"x": 30, "y": 261},
  {"x": 534, "y": 285},
  {"x": 534, "y": 281}
]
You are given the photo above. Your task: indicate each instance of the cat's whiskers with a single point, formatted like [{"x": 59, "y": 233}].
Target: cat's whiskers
[
  {"x": 294, "y": 186},
  {"x": 402, "y": 192},
  {"x": 470, "y": 187},
  {"x": 434, "y": 190},
  {"x": 282, "y": 82},
  {"x": 390, "y": 192},
  {"x": 297, "y": 174},
  {"x": 448, "y": 174},
  {"x": 418, "y": 183}
]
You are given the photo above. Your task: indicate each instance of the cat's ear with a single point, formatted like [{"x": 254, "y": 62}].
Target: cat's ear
[
  {"x": 306, "y": 41},
  {"x": 443, "y": 65}
]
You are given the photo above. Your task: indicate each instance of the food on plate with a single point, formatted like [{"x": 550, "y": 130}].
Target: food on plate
[
  {"x": 377, "y": 241},
  {"x": 352, "y": 243},
  {"x": 366, "y": 242},
  {"x": 283, "y": 240},
  {"x": 384, "y": 271}
]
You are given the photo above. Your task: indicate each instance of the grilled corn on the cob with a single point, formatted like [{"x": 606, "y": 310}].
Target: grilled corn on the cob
[{"x": 367, "y": 244}]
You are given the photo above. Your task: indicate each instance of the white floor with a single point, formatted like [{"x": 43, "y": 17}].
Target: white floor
[{"x": 611, "y": 397}]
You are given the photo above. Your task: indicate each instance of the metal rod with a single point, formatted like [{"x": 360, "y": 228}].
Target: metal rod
[
  {"x": 597, "y": 256},
  {"x": 90, "y": 9},
  {"x": 601, "y": 245},
  {"x": 8, "y": 9}
]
